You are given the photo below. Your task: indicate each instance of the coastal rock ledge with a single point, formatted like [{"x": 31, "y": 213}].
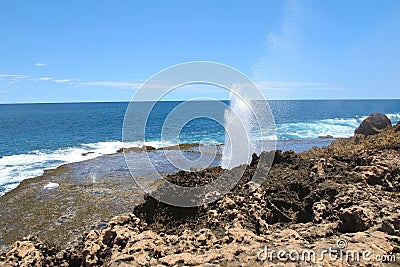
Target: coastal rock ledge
[{"x": 344, "y": 197}]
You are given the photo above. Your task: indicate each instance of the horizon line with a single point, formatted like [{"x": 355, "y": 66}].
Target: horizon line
[{"x": 125, "y": 101}]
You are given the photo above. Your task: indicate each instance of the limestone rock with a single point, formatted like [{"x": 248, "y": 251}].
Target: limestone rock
[{"x": 355, "y": 219}]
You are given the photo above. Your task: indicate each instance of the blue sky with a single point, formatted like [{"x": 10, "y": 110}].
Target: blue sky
[{"x": 61, "y": 51}]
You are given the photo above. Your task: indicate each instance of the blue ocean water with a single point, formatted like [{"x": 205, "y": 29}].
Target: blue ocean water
[{"x": 34, "y": 137}]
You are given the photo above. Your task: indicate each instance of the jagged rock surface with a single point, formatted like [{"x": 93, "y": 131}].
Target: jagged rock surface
[{"x": 347, "y": 191}]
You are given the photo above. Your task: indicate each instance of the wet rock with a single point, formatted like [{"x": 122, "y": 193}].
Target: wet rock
[
  {"x": 135, "y": 149},
  {"x": 325, "y": 136},
  {"x": 87, "y": 153},
  {"x": 373, "y": 124}
]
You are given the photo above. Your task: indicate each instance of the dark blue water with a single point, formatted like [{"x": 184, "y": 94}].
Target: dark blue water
[
  {"x": 38, "y": 136},
  {"x": 28, "y": 127}
]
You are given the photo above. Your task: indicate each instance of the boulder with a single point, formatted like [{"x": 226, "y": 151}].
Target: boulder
[
  {"x": 373, "y": 124},
  {"x": 391, "y": 225},
  {"x": 355, "y": 219}
]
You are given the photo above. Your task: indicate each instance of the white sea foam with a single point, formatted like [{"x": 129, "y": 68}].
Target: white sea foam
[
  {"x": 16, "y": 168},
  {"x": 395, "y": 118},
  {"x": 337, "y": 127}
]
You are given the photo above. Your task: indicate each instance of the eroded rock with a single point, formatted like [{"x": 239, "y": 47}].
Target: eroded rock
[
  {"x": 355, "y": 219},
  {"x": 308, "y": 200}
]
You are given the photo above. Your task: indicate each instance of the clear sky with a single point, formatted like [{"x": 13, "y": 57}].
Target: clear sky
[{"x": 61, "y": 51}]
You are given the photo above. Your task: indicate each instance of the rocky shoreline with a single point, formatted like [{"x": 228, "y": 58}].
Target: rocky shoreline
[
  {"x": 343, "y": 197},
  {"x": 83, "y": 195}
]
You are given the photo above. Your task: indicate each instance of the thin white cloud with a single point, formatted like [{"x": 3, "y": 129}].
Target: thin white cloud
[
  {"x": 126, "y": 85},
  {"x": 13, "y": 76},
  {"x": 62, "y": 80},
  {"x": 264, "y": 85},
  {"x": 109, "y": 84},
  {"x": 41, "y": 79},
  {"x": 52, "y": 79},
  {"x": 40, "y": 64}
]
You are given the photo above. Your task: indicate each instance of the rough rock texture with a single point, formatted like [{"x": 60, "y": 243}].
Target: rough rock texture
[
  {"x": 373, "y": 124},
  {"x": 344, "y": 197}
]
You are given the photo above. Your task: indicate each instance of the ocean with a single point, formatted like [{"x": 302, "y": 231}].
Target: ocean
[{"x": 35, "y": 137}]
